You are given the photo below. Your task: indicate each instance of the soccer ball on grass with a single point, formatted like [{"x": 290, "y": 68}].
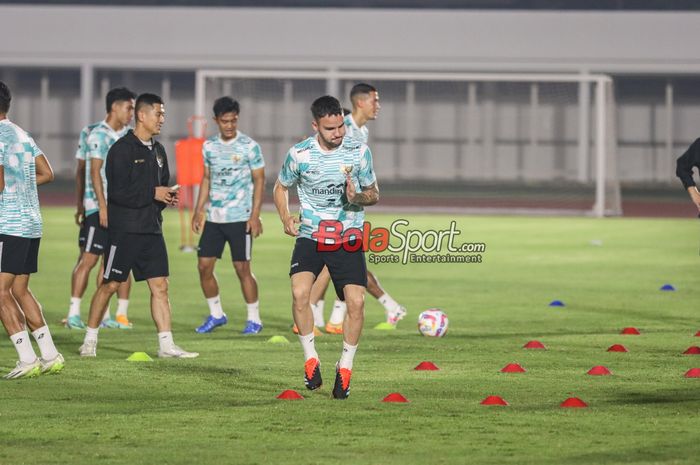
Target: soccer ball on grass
[{"x": 432, "y": 322}]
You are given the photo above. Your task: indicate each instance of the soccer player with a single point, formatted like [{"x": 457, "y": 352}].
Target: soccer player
[
  {"x": 23, "y": 167},
  {"x": 137, "y": 177},
  {"x": 233, "y": 183},
  {"x": 335, "y": 179},
  {"x": 95, "y": 141},
  {"x": 365, "y": 107}
]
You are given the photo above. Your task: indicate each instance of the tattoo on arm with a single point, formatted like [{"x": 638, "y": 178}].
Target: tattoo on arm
[{"x": 368, "y": 196}]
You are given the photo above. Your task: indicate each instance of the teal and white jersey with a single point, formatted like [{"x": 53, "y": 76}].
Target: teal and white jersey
[
  {"x": 231, "y": 164},
  {"x": 19, "y": 202},
  {"x": 320, "y": 180},
  {"x": 82, "y": 152},
  {"x": 352, "y": 130},
  {"x": 99, "y": 141}
]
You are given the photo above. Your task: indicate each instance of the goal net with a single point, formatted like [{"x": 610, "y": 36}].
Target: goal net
[{"x": 446, "y": 142}]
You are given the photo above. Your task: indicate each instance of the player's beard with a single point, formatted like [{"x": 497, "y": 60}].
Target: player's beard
[{"x": 329, "y": 143}]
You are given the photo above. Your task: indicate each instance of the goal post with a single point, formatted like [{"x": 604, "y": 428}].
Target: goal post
[{"x": 531, "y": 143}]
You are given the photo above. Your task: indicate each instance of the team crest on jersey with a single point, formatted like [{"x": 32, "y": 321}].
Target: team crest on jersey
[
  {"x": 235, "y": 157},
  {"x": 159, "y": 160}
]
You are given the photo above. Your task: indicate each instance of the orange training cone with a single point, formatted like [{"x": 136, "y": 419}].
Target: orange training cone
[
  {"x": 494, "y": 400},
  {"x": 534, "y": 345},
  {"x": 617, "y": 348},
  {"x": 599, "y": 370},
  {"x": 573, "y": 402},
  {"x": 513, "y": 368},
  {"x": 290, "y": 394},
  {"x": 426, "y": 366},
  {"x": 395, "y": 397},
  {"x": 630, "y": 331}
]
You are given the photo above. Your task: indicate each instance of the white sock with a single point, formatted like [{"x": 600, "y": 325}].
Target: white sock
[
  {"x": 165, "y": 339},
  {"x": 254, "y": 312},
  {"x": 347, "y": 356},
  {"x": 317, "y": 310},
  {"x": 91, "y": 334},
  {"x": 106, "y": 315},
  {"x": 122, "y": 306},
  {"x": 43, "y": 339},
  {"x": 389, "y": 304},
  {"x": 24, "y": 347},
  {"x": 307, "y": 343},
  {"x": 338, "y": 313},
  {"x": 74, "y": 309},
  {"x": 215, "y": 308}
]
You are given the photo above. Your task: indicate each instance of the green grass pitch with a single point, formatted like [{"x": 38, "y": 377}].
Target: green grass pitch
[{"x": 221, "y": 408}]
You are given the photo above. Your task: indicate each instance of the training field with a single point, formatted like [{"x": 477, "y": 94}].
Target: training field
[{"x": 221, "y": 408}]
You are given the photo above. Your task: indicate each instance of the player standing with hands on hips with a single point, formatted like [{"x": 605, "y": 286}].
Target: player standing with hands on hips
[
  {"x": 137, "y": 179},
  {"x": 334, "y": 178}
]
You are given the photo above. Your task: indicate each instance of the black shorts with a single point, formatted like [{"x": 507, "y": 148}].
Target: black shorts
[
  {"x": 345, "y": 267},
  {"x": 93, "y": 237},
  {"x": 82, "y": 236},
  {"x": 143, "y": 254},
  {"x": 18, "y": 255},
  {"x": 216, "y": 235}
]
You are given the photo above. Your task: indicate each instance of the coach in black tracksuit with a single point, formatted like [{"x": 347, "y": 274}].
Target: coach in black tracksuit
[{"x": 137, "y": 177}]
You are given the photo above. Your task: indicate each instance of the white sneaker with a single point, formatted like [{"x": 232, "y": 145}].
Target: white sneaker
[
  {"x": 395, "y": 316},
  {"x": 25, "y": 370},
  {"x": 176, "y": 352},
  {"x": 52, "y": 366},
  {"x": 88, "y": 349}
]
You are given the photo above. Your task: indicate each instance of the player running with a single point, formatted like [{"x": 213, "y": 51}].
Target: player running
[
  {"x": 232, "y": 186},
  {"x": 335, "y": 179},
  {"x": 365, "y": 107},
  {"x": 23, "y": 167},
  {"x": 95, "y": 142}
]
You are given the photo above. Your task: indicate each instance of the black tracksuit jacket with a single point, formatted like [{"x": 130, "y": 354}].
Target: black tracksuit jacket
[{"x": 133, "y": 172}]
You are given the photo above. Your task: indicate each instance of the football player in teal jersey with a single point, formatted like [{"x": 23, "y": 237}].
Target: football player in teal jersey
[
  {"x": 335, "y": 180},
  {"x": 23, "y": 167},
  {"x": 228, "y": 211},
  {"x": 365, "y": 107},
  {"x": 95, "y": 141}
]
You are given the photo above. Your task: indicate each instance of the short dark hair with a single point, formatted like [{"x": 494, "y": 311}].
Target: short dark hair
[
  {"x": 118, "y": 94},
  {"x": 346, "y": 111},
  {"x": 326, "y": 106},
  {"x": 224, "y": 105},
  {"x": 361, "y": 89},
  {"x": 5, "y": 98},
  {"x": 146, "y": 99}
]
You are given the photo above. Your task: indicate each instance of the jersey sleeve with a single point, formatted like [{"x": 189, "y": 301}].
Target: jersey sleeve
[
  {"x": 255, "y": 157},
  {"x": 97, "y": 145},
  {"x": 2, "y": 153},
  {"x": 82, "y": 145},
  {"x": 36, "y": 151},
  {"x": 206, "y": 155},
  {"x": 289, "y": 174},
  {"x": 366, "y": 174}
]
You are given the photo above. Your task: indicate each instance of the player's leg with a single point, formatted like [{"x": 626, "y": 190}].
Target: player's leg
[
  {"x": 393, "y": 310},
  {"x": 13, "y": 254},
  {"x": 123, "y": 303},
  {"x": 211, "y": 246},
  {"x": 73, "y": 318},
  {"x": 305, "y": 266},
  {"x": 51, "y": 360},
  {"x": 151, "y": 265},
  {"x": 79, "y": 282},
  {"x": 13, "y": 320},
  {"x": 120, "y": 258},
  {"x": 318, "y": 291},
  {"x": 349, "y": 274},
  {"x": 241, "y": 245}
]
